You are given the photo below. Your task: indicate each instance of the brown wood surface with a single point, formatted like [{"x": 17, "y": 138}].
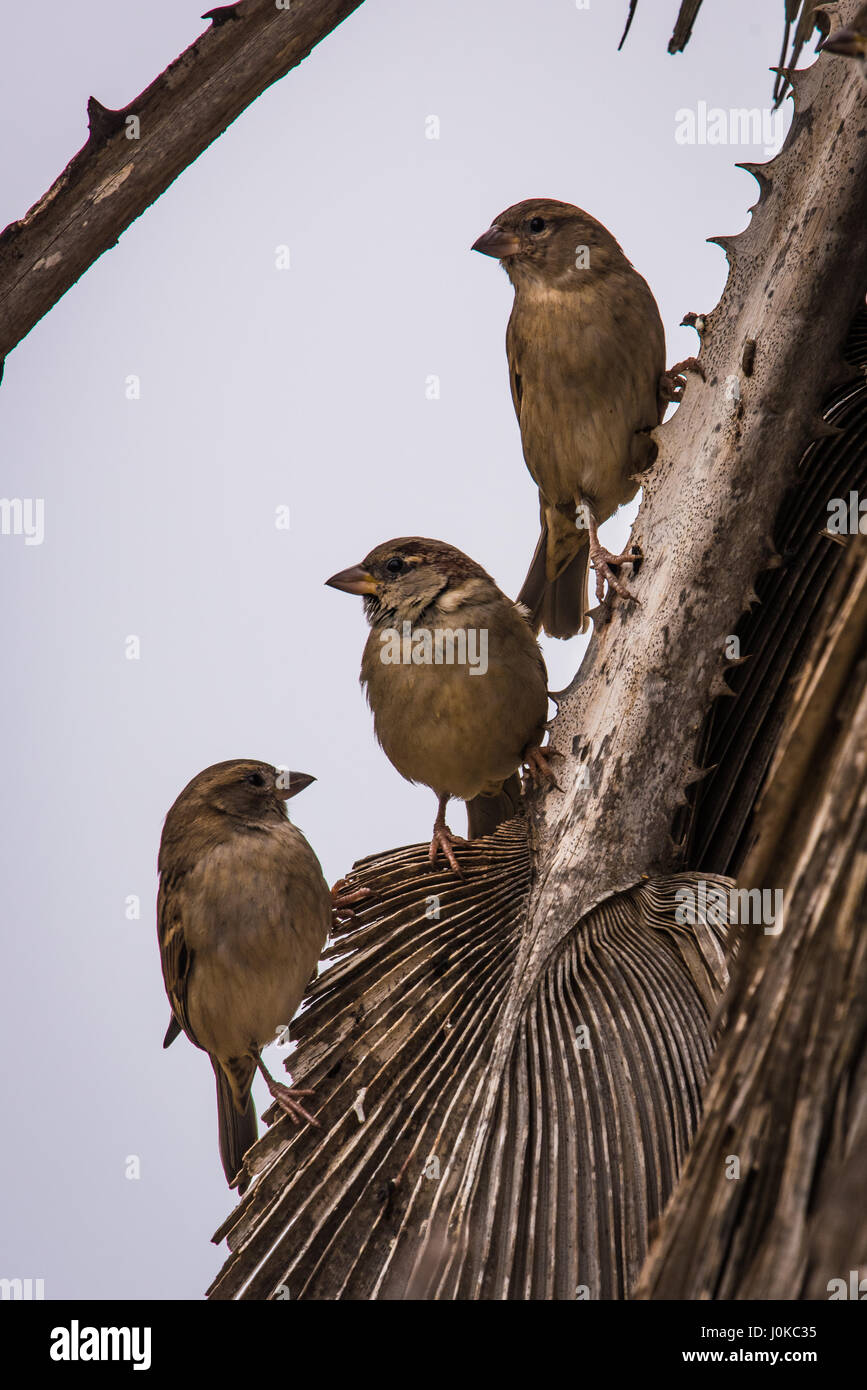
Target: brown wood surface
[{"x": 113, "y": 178}]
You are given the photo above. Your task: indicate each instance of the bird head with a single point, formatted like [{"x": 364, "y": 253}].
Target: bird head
[
  {"x": 239, "y": 792},
  {"x": 851, "y": 41},
  {"x": 403, "y": 578},
  {"x": 550, "y": 242}
]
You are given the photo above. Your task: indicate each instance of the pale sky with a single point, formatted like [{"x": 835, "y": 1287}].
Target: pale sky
[{"x": 263, "y": 388}]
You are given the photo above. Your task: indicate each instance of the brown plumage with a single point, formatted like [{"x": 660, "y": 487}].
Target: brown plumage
[
  {"x": 586, "y": 354},
  {"x": 242, "y": 915},
  {"x": 463, "y": 732}
]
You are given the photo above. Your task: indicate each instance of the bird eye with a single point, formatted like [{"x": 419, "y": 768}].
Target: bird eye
[
  {"x": 256, "y": 779},
  {"x": 537, "y": 224},
  {"x": 394, "y": 565}
]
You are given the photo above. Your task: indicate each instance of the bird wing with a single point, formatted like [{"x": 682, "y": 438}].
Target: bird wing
[
  {"x": 175, "y": 955},
  {"x": 515, "y": 384}
]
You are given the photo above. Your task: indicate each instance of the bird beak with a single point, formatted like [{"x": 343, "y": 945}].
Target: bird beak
[
  {"x": 289, "y": 784},
  {"x": 847, "y": 42},
  {"x": 496, "y": 242},
  {"x": 353, "y": 581}
]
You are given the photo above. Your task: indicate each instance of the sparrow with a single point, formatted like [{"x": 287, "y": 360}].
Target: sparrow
[
  {"x": 461, "y": 724},
  {"x": 243, "y": 912},
  {"x": 586, "y": 354},
  {"x": 851, "y": 41}
]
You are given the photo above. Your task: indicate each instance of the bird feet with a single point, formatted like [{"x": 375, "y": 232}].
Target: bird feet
[
  {"x": 343, "y": 900},
  {"x": 443, "y": 839},
  {"x": 605, "y": 564},
  {"x": 538, "y": 763},
  {"x": 285, "y": 1096},
  {"x": 672, "y": 383}
]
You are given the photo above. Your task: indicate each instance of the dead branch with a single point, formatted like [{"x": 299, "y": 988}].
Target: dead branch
[{"x": 132, "y": 155}]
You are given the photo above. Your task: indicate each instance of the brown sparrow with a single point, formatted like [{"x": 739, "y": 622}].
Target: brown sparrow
[
  {"x": 242, "y": 915},
  {"x": 586, "y": 354},
  {"x": 454, "y": 677}
]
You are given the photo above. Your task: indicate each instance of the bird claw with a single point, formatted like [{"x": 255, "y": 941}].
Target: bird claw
[
  {"x": 285, "y": 1098},
  {"x": 672, "y": 387},
  {"x": 539, "y": 771},
  {"x": 343, "y": 899},
  {"x": 672, "y": 383},
  {"x": 605, "y": 564},
  {"x": 443, "y": 839}
]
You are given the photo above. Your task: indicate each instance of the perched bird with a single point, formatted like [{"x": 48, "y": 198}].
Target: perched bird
[
  {"x": 851, "y": 41},
  {"x": 454, "y": 677},
  {"x": 586, "y": 354},
  {"x": 242, "y": 915}
]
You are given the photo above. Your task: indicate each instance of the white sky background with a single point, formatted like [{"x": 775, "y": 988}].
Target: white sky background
[{"x": 262, "y": 387}]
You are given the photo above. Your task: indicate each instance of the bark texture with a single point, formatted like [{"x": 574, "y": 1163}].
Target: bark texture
[
  {"x": 132, "y": 155},
  {"x": 772, "y": 1204}
]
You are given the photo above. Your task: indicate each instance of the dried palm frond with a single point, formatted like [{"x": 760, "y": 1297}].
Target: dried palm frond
[
  {"x": 461, "y": 1159},
  {"x": 743, "y": 729},
  {"x": 788, "y": 1101},
  {"x": 800, "y": 16}
]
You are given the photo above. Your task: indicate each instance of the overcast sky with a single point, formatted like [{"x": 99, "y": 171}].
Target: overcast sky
[{"x": 263, "y": 388}]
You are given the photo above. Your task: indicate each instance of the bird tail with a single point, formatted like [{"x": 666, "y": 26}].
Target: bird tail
[
  {"x": 172, "y": 1032},
  {"x": 559, "y": 605},
  {"x": 485, "y": 813},
  {"x": 237, "y": 1128}
]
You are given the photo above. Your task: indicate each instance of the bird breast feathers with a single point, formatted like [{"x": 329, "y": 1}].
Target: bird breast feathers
[{"x": 255, "y": 885}]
